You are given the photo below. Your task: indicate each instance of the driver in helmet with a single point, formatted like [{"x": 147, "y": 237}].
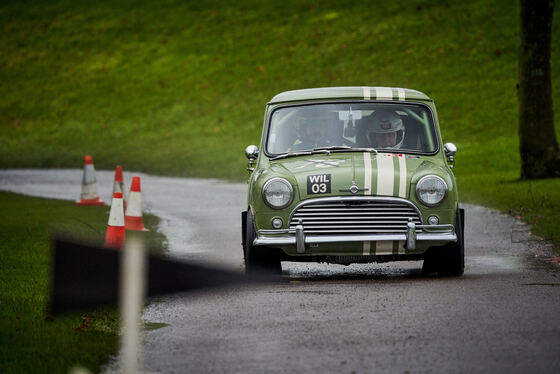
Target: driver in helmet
[
  {"x": 311, "y": 133},
  {"x": 385, "y": 130}
]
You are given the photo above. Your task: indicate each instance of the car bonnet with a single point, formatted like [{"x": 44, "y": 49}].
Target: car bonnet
[{"x": 382, "y": 174}]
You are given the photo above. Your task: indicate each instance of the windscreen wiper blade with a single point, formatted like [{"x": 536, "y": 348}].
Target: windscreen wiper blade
[
  {"x": 284, "y": 155},
  {"x": 344, "y": 148},
  {"x": 328, "y": 150},
  {"x": 372, "y": 150}
]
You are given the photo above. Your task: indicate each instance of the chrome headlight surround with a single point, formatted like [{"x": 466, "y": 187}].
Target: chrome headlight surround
[
  {"x": 278, "y": 193},
  {"x": 431, "y": 190}
]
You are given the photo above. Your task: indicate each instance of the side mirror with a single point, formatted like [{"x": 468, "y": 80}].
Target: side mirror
[
  {"x": 450, "y": 150},
  {"x": 252, "y": 152}
]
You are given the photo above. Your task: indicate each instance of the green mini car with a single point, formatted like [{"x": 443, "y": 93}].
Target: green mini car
[{"x": 350, "y": 175}]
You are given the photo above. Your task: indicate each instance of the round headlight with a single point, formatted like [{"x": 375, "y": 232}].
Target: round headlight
[
  {"x": 278, "y": 193},
  {"x": 431, "y": 190}
]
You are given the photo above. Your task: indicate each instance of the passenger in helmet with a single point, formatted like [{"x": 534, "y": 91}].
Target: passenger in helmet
[{"x": 385, "y": 130}]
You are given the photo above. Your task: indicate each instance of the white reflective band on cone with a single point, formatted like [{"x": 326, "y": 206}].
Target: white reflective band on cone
[
  {"x": 89, "y": 191},
  {"x": 89, "y": 174},
  {"x": 116, "y": 215},
  {"x": 134, "y": 205},
  {"x": 118, "y": 187}
]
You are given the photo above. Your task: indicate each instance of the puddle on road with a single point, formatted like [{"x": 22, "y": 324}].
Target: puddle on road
[
  {"x": 495, "y": 262},
  {"x": 316, "y": 292},
  {"x": 301, "y": 272},
  {"x": 304, "y": 271},
  {"x": 148, "y": 326},
  {"x": 510, "y": 263}
]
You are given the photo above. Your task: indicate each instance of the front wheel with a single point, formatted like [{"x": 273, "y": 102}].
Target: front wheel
[
  {"x": 448, "y": 260},
  {"x": 452, "y": 256},
  {"x": 257, "y": 258}
]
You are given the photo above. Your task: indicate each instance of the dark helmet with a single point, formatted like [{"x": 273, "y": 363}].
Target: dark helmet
[{"x": 312, "y": 123}]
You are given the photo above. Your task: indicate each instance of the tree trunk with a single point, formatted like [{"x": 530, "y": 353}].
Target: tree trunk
[{"x": 538, "y": 145}]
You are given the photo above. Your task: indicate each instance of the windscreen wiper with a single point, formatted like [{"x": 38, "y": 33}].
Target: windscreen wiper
[
  {"x": 327, "y": 150},
  {"x": 331, "y": 148},
  {"x": 344, "y": 148},
  {"x": 372, "y": 150},
  {"x": 284, "y": 155}
]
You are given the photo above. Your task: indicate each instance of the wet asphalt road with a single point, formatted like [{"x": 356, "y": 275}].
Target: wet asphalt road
[{"x": 502, "y": 316}]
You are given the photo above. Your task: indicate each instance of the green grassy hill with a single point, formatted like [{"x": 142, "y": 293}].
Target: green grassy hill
[{"x": 178, "y": 88}]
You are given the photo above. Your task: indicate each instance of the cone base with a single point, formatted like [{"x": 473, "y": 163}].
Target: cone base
[
  {"x": 115, "y": 237},
  {"x": 134, "y": 223},
  {"x": 96, "y": 201}
]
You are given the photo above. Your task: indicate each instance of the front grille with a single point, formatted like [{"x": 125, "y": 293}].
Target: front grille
[{"x": 352, "y": 216}]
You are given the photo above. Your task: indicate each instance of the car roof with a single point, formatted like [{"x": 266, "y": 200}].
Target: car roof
[{"x": 359, "y": 93}]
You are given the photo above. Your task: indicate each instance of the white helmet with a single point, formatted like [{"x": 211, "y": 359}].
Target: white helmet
[{"x": 385, "y": 129}]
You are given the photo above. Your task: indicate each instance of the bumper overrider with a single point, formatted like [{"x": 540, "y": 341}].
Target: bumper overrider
[{"x": 414, "y": 233}]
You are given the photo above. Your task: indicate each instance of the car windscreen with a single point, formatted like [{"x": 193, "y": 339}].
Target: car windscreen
[{"x": 391, "y": 127}]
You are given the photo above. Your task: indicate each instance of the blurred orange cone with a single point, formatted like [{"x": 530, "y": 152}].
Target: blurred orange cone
[
  {"x": 89, "y": 195},
  {"x": 133, "y": 216},
  {"x": 114, "y": 238},
  {"x": 118, "y": 185}
]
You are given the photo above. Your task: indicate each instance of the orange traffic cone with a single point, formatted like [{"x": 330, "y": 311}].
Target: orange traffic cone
[
  {"x": 115, "y": 228},
  {"x": 133, "y": 216},
  {"x": 89, "y": 195},
  {"x": 118, "y": 185}
]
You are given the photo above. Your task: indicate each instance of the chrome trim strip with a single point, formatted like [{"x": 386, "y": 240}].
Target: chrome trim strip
[
  {"x": 429, "y": 229},
  {"x": 291, "y": 240}
]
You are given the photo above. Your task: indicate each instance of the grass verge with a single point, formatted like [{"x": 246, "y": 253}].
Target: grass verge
[
  {"x": 188, "y": 81},
  {"x": 33, "y": 341}
]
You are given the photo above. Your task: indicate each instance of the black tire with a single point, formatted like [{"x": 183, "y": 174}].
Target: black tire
[
  {"x": 257, "y": 258},
  {"x": 430, "y": 264},
  {"x": 451, "y": 257}
]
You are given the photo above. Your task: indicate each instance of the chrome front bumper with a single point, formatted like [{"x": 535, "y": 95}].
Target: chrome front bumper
[{"x": 297, "y": 236}]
